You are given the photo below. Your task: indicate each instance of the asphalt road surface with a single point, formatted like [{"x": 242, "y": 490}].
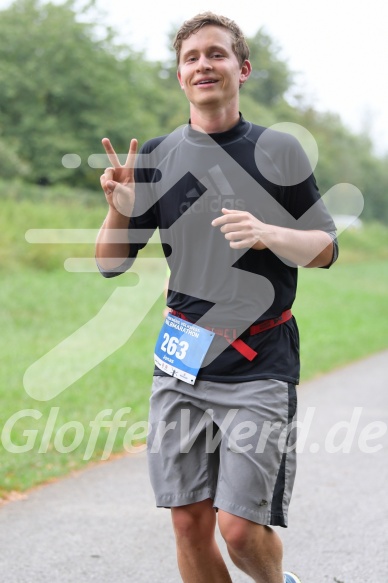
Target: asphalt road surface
[{"x": 101, "y": 526}]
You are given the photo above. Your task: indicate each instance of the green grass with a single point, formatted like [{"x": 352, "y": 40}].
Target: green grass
[
  {"x": 342, "y": 315},
  {"x": 42, "y": 310}
]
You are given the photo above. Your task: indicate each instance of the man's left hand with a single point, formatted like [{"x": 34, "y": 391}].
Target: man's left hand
[{"x": 241, "y": 229}]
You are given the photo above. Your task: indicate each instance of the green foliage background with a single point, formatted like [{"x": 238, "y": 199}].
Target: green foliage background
[{"x": 66, "y": 83}]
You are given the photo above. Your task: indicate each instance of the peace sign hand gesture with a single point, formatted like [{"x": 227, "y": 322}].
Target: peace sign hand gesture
[{"x": 118, "y": 181}]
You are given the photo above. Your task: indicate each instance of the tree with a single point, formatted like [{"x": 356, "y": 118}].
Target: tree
[
  {"x": 64, "y": 88},
  {"x": 270, "y": 77}
]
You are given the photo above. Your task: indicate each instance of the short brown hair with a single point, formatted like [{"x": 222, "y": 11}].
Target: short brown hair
[{"x": 189, "y": 27}]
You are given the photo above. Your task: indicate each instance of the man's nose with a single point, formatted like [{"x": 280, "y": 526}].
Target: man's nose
[{"x": 204, "y": 63}]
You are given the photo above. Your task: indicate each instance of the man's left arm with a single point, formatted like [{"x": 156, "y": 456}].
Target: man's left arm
[{"x": 307, "y": 248}]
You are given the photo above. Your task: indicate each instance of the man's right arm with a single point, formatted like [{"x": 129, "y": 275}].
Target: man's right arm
[
  {"x": 118, "y": 184},
  {"x": 112, "y": 247}
]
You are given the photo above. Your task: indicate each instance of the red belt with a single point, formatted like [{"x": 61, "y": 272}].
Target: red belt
[{"x": 231, "y": 334}]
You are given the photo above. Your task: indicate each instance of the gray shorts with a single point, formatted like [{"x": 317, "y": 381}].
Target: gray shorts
[{"x": 231, "y": 442}]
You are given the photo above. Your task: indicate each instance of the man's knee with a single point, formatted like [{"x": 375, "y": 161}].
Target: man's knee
[
  {"x": 239, "y": 534},
  {"x": 194, "y": 521}
]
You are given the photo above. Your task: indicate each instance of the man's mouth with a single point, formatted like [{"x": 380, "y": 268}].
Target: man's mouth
[{"x": 207, "y": 82}]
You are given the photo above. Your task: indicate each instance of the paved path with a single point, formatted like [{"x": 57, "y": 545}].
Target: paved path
[{"x": 101, "y": 526}]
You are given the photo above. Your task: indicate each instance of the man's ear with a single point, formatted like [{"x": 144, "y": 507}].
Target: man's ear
[
  {"x": 246, "y": 70},
  {"x": 178, "y": 74}
]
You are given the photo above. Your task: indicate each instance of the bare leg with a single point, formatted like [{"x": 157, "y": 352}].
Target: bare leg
[
  {"x": 255, "y": 549},
  {"x": 199, "y": 558}
]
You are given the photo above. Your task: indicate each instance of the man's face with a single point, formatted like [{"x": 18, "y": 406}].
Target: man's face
[{"x": 209, "y": 72}]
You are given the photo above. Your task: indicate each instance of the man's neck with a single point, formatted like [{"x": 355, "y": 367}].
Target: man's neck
[{"x": 213, "y": 122}]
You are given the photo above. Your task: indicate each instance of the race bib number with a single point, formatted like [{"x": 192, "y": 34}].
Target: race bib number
[{"x": 181, "y": 348}]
